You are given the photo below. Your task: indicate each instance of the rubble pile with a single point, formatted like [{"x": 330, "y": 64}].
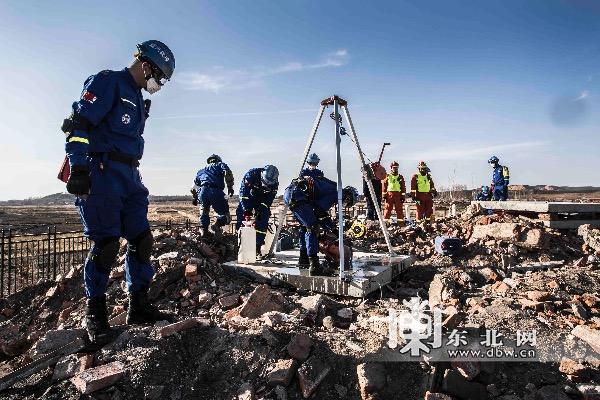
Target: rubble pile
[{"x": 234, "y": 338}]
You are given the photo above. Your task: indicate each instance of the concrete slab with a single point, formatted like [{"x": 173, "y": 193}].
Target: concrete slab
[
  {"x": 541, "y": 206},
  {"x": 370, "y": 272},
  {"x": 571, "y": 224}
]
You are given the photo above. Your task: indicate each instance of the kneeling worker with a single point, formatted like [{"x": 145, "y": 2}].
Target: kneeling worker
[
  {"x": 310, "y": 200},
  {"x": 257, "y": 192}
]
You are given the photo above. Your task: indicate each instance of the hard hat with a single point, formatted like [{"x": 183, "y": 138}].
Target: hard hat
[
  {"x": 349, "y": 196},
  {"x": 214, "y": 158},
  {"x": 313, "y": 159},
  {"x": 394, "y": 164},
  {"x": 493, "y": 160},
  {"x": 378, "y": 171},
  {"x": 270, "y": 175},
  {"x": 159, "y": 55},
  {"x": 422, "y": 165},
  {"x": 484, "y": 188}
]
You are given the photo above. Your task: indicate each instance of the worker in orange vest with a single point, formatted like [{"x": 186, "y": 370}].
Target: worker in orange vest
[
  {"x": 394, "y": 192},
  {"x": 423, "y": 191}
]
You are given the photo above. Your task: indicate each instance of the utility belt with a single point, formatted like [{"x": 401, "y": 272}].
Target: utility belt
[
  {"x": 118, "y": 157},
  {"x": 209, "y": 185}
]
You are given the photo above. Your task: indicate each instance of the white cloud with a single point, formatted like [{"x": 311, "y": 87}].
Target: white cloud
[
  {"x": 219, "y": 79},
  {"x": 584, "y": 94}
]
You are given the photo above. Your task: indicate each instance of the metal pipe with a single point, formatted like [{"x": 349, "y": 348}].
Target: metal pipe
[
  {"x": 340, "y": 188},
  {"x": 386, "y": 234},
  {"x": 309, "y": 144}
]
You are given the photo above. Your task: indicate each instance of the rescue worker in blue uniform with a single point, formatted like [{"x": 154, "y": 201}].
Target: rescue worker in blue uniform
[
  {"x": 500, "y": 179},
  {"x": 484, "y": 194},
  {"x": 312, "y": 170},
  {"x": 104, "y": 144},
  {"x": 257, "y": 192},
  {"x": 209, "y": 187},
  {"x": 310, "y": 200}
]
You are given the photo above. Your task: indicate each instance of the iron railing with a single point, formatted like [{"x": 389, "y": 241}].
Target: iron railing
[{"x": 27, "y": 259}]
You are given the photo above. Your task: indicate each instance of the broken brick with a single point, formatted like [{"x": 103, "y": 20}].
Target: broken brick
[
  {"x": 191, "y": 270},
  {"x": 282, "y": 372},
  {"x": 311, "y": 374},
  {"x": 468, "y": 369},
  {"x": 299, "y": 346},
  {"x": 97, "y": 378},
  {"x": 228, "y": 302},
  {"x": 260, "y": 301},
  {"x": 588, "y": 335},
  {"x": 171, "y": 329}
]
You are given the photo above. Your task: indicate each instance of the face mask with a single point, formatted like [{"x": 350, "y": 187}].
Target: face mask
[{"x": 152, "y": 86}]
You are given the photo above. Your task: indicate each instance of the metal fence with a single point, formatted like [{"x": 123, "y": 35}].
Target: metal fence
[{"x": 26, "y": 259}]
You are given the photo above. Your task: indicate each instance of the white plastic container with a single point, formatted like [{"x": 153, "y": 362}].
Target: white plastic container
[{"x": 247, "y": 245}]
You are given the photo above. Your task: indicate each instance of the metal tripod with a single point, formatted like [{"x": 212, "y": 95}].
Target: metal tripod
[{"x": 338, "y": 102}]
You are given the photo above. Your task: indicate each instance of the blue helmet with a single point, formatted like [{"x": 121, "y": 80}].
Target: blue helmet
[
  {"x": 313, "y": 159},
  {"x": 270, "y": 176},
  {"x": 349, "y": 196},
  {"x": 159, "y": 55},
  {"x": 493, "y": 160},
  {"x": 484, "y": 189},
  {"x": 214, "y": 158}
]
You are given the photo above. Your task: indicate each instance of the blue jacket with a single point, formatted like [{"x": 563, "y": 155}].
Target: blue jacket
[
  {"x": 113, "y": 104},
  {"x": 321, "y": 193},
  {"x": 215, "y": 175},
  {"x": 500, "y": 176},
  {"x": 252, "y": 190},
  {"x": 313, "y": 173}
]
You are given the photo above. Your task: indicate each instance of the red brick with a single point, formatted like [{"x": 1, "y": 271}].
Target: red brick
[
  {"x": 230, "y": 301},
  {"x": 171, "y": 329},
  {"x": 299, "y": 346},
  {"x": 94, "y": 379}
]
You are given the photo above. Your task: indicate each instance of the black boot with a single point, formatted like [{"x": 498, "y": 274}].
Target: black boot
[
  {"x": 217, "y": 229},
  {"x": 96, "y": 321},
  {"x": 315, "y": 268},
  {"x": 205, "y": 233},
  {"x": 303, "y": 259},
  {"x": 141, "y": 311}
]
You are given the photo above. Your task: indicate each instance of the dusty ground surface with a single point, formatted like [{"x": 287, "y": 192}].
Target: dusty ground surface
[{"x": 262, "y": 340}]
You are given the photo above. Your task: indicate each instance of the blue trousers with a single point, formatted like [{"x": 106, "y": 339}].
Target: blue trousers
[
  {"x": 215, "y": 198},
  {"x": 500, "y": 193},
  {"x": 311, "y": 219},
  {"x": 116, "y": 207},
  {"x": 261, "y": 222}
]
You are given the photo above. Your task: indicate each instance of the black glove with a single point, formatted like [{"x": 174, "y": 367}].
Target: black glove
[
  {"x": 230, "y": 191},
  {"x": 194, "y": 201},
  {"x": 79, "y": 181}
]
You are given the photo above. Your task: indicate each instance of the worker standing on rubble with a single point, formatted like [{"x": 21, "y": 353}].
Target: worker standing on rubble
[
  {"x": 312, "y": 170},
  {"x": 310, "y": 200},
  {"x": 104, "y": 144},
  {"x": 257, "y": 192},
  {"x": 209, "y": 187},
  {"x": 500, "y": 179},
  {"x": 423, "y": 191},
  {"x": 394, "y": 192}
]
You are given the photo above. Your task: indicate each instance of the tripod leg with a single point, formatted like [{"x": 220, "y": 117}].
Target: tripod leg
[
  {"x": 311, "y": 139},
  {"x": 386, "y": 234}
]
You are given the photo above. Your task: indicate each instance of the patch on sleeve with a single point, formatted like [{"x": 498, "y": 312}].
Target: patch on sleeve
[{"x": 89, "y": 97}]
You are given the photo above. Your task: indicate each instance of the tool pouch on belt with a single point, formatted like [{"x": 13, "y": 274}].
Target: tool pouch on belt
[{"x": 65, "y": 170}]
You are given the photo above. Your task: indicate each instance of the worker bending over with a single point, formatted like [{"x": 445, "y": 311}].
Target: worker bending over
[
  {"x": 208, "y": 190},
  {"x": 310, "y": 200},
  {"x": 257, "y": 192}
]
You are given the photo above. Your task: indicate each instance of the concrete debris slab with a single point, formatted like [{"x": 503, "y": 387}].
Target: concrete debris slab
[{"x": 370, "y": 272}]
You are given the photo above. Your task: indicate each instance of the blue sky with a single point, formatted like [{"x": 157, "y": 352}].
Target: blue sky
[{"x": 449, "y": 82}]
